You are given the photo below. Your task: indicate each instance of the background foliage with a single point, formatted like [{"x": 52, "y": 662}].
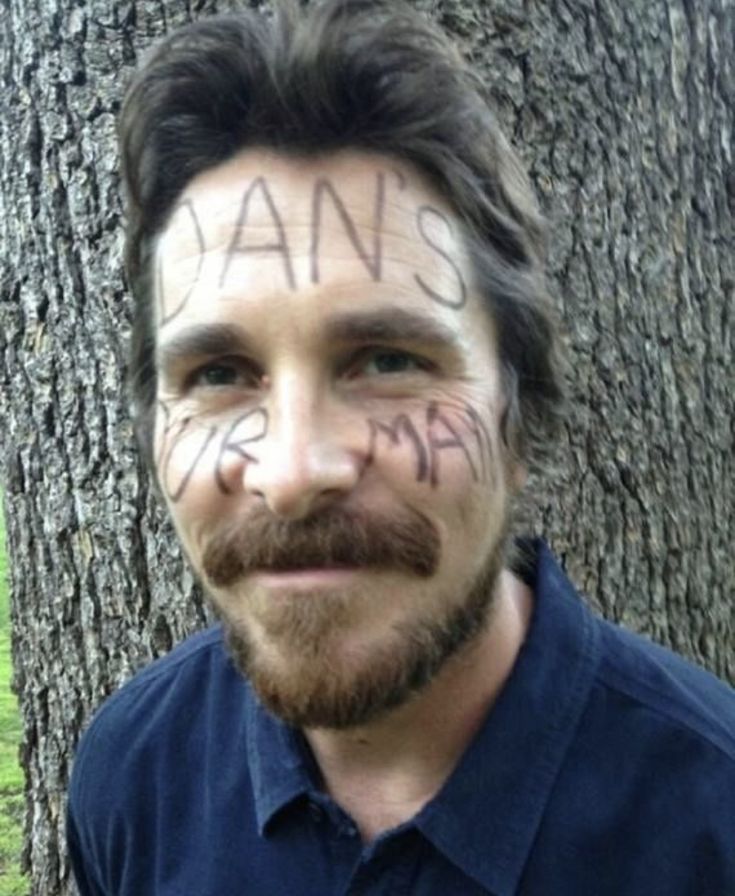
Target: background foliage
[{"x": 12, "y": 883}]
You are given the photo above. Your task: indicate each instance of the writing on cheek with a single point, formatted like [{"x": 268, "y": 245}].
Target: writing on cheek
[
  {"x": 174, "y": 433},
  {"x": 279, "y": 246},
  {"x": 443, "y": 427},
  {"x": 165, "y": 410},
  {"x": 483, "y": 443},
  {"x": 399, "y": 431},
  {"x": 423, "y": 214},
  {"x": 373, "y": 263},
  {"x": 248, "y": 429},
  {"x": 443, "y": 436},
  {"x": 187, "y": 206}
]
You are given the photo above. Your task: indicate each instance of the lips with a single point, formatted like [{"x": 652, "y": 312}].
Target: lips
[{"x": 308, "y": 577}]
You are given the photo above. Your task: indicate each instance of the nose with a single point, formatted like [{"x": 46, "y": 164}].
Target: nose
[{"x": 307, "y": 458}]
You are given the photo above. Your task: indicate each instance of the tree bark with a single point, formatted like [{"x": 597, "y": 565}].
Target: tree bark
[{"x": 624, "y": 113}]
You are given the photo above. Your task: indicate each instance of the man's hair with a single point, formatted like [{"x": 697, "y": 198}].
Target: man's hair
[{"x": 360, "y": 74}]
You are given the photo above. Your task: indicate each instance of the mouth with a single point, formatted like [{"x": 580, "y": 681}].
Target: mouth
[{"x": 306, "y": 577}]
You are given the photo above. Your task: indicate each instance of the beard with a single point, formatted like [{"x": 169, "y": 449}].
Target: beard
[{"x": 294, "y": 662}]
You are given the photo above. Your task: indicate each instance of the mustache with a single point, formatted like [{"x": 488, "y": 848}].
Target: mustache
[{"x": 334, "y": 538}]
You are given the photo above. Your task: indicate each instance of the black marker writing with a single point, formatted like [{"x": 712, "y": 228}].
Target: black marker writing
[
  {"x": 424, "y": 212},
  {"x": 166, "y": 430},
  {"x": 400, "y": 177},
  {"x": 280, "y": 245},
  {"x": 237, "y": 446},
  {"x": 444, "y": 428},
  {"x": 174, "y": 432},
  {"x": 400, "y": 427},
  {"x": 175, "y": 494},
  {"x": 324, "y": 187},
  {"x": 436, "y": 420},
  {"x": 165, "y": 318}
]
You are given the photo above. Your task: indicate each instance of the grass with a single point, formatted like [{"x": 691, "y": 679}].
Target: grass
[{"x": 12, "y": 883}]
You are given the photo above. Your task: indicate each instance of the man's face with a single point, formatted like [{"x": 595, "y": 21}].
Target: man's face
[{"x": 327, "y": 425}]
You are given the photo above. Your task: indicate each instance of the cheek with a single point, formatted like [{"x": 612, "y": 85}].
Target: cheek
[
  {"x": 200, "y": 459},
  {"x": 445, "y": 447},
  {"x": 473, "y": 515},
  {"x": 186, "y": 461},
  {"x": 468, "y": 506}
]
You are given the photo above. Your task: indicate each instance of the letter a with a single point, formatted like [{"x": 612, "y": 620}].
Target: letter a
[{"x": 280, "y": 245}]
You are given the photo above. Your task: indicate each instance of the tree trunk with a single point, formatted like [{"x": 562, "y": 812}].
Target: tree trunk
[{"x": 623, "y": 112}]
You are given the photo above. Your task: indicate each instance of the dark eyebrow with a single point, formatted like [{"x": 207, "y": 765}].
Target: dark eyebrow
[
  {"x": 202, "y": 340},
  {"x": 386, "y": 325},
  {"x": 391, "y": 325}
]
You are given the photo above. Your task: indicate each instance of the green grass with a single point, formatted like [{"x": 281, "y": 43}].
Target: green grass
[{"x": 12, "y": 883}]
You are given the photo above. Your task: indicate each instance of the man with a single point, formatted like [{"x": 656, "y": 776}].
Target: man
[{"x": 344, "y": 366}]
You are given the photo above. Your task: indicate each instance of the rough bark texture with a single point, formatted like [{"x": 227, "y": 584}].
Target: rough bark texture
[{"x": 624, "y": 114}]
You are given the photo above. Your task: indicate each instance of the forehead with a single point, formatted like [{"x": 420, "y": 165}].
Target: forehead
[
  {"x": 265, "y": 189},
  {"x": 270, "y": 236}
]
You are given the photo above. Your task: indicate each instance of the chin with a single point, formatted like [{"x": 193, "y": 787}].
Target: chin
[{"x": 302, "y": 673}]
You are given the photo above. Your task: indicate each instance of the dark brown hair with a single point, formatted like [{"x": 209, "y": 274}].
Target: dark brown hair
[{"x": 369, "y": 74}]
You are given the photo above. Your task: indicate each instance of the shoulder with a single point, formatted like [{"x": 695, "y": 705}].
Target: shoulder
[
  {"x": 643, "y": 799},
  {"x": 656, "y": 746},
  {"x": 644, "y": 795},
  {"x": 634, "y": 681},
  {"x": 170, "y": 743},
  {"x": 158, "y": 710},
  {"x": 668, "y": 692}
]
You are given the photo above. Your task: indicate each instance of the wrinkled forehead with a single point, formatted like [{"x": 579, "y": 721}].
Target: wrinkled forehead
[
  {"x": 264, "y": 227},
  {"x": 261, "y": 188},
  {"x": 264, "y": 204}
]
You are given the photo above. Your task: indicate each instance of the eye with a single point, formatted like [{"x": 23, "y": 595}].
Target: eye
[
  {"x": 224, "y": 373},
  {"x": 386, "y": 362}
]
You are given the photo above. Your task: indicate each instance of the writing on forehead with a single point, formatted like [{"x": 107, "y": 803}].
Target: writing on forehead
[
  {"x": 328, "y": 210},
  {"x": 186, "y": 207},
  {"x": 259, "y": 191},
  {"x": 324, "y": 188},
  {"x": 424, "y": 214}
]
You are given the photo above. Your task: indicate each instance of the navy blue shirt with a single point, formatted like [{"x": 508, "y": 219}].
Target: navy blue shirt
[{"x": 605, "y": 768}]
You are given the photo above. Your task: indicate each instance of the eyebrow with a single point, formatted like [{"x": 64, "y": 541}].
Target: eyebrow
[
  {"x": 203, "y": 340},
  {"x": 385, "y": 325},
  {"x": 391, "y": 325}
]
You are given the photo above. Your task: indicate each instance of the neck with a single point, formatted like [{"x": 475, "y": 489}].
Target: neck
[{"x": 382, "y": 774}]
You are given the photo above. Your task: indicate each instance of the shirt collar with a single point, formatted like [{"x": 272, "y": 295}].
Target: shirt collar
[
  {"x": 486, "y": 816},
  {"x": 281, "y": 767}
]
